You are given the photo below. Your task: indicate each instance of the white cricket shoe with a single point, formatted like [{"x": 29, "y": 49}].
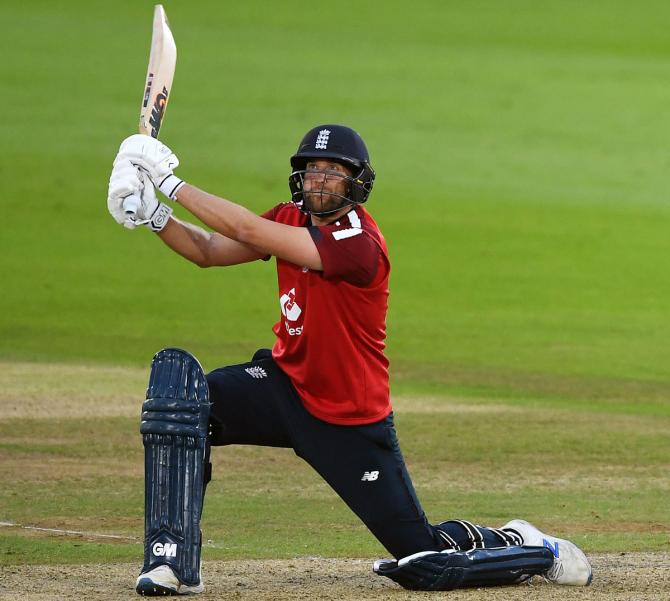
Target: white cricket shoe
[
  {"x": 570, "y": 564},
  {"x": 162, "y": 581}
]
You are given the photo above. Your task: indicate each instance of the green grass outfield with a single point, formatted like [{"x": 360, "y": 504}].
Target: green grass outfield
[
  {"x": 522, "y": 158},
  {"x": 596, "y": 476}
]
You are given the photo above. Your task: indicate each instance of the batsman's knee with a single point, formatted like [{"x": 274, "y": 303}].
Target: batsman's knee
[{"x": 177, "y": 400}]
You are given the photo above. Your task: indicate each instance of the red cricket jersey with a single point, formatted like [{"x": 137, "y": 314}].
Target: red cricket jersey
[{"x": 330, "y": 336}]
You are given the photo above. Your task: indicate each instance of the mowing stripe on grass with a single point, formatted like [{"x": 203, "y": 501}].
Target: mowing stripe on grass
[{"x": 70, "y": 532}]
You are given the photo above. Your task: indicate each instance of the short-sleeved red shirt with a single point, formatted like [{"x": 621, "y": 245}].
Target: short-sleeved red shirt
[{"x": 332, "y": 329}]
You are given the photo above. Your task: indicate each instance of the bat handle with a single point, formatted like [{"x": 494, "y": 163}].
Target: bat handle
[{"x": 131, "y": 204}]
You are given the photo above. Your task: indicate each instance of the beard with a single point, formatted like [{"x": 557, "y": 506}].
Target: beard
[{"x": 319, "y": 202}]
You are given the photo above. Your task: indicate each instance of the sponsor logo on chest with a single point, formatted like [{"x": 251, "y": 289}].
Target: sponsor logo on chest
[{"x": 291, "y": 311}]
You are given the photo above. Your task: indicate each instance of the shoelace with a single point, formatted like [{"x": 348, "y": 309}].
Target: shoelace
[{"x": 555, "y": 571}]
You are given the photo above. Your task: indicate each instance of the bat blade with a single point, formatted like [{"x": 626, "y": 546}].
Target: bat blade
[
  {"x": 157, "y": 88},
  {"x": 160, "y": 73}
]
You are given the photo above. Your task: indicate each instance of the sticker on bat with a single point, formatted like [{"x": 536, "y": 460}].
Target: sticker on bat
[
  {"x": 157, "y": 112},
  {"x": 147, "y": 92}
]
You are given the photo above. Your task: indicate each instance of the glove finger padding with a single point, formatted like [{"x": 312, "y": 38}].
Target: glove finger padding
[
  {"x": 141, "y": 145},
  {"x": 123, "y": 182},
  {"x": 115, "y": 208},
  {"x": 153, "y": 156},
  {"x": 148, "y": 200},
  {"x": 127, "y": 180}
]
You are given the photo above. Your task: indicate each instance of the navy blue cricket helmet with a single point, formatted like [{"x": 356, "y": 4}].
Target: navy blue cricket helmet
[{"x": 342, "y": 144}]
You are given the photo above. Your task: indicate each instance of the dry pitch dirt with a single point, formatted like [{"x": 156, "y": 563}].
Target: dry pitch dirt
[{"x": 618, "y": 577}]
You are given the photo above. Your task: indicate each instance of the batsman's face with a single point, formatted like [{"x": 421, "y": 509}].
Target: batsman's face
[{"x": 325, "y": 184}]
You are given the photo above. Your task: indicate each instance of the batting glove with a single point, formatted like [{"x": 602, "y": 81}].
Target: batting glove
[
  {"x": 151, "y": 212},
  {"x": 128, "y": 181},
  {"x": 155, "y": 158},
  {"x": 123, "y": 182}
]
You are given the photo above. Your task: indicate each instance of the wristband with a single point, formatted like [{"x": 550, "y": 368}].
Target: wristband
[{"x": 170, "y": 185}]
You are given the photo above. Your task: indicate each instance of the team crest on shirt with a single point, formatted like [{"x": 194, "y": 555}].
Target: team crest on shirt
[{"x": 291, "y": 310}]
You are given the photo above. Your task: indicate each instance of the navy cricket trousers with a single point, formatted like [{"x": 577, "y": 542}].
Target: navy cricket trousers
[{"x": 255, "y": 403}]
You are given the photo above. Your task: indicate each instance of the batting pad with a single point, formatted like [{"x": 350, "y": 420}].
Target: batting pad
[
  {"x": 174, "y": 428},
  {"x": 448, "y": 570}
]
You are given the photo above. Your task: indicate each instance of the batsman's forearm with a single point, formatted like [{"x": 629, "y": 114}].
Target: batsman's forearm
[
  {"x": 187, "y": 240},
  {"x": 223, "y": 216}
]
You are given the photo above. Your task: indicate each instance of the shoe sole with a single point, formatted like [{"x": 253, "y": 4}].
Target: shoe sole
[{"x": 148, "y": 588}]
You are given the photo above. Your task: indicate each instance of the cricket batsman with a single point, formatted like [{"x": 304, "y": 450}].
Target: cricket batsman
[{"x": 323, "y": 388}]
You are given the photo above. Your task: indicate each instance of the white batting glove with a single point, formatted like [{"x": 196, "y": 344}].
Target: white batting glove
[
  {"x": 155, "y": 158},
  {"x": 151, "y": 212},
  {"x": 127, "y": 180}
]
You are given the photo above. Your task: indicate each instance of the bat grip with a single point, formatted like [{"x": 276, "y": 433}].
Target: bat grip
[{"x": 131, "y": 204}]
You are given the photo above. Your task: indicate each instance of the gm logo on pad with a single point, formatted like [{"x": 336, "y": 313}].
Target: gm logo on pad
[{"x": 164, "y": 550}]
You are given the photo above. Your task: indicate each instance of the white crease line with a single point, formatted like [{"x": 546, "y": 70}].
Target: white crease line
[{"x": 69, "y": 532}]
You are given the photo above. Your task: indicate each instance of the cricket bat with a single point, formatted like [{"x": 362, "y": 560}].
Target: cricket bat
[{"x": 160, "y": 73}]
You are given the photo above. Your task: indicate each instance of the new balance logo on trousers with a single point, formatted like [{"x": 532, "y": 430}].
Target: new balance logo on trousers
[{"x": 370, "y": 476}]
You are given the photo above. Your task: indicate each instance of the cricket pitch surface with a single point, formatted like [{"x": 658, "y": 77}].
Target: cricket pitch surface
[{"x": 617, "y": 577}]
